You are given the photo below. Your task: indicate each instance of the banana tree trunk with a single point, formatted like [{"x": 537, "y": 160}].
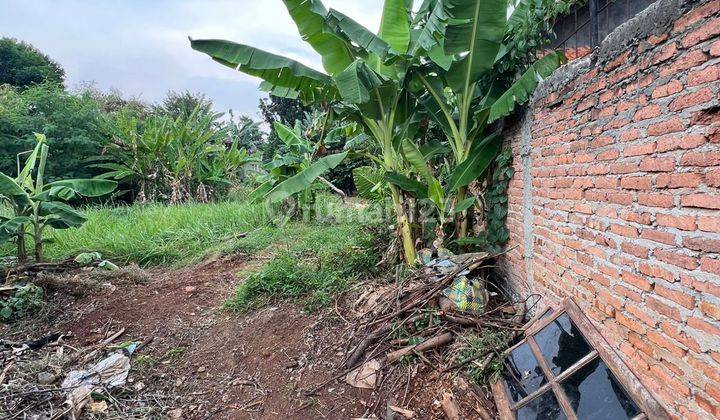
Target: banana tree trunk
[
  {"x": 404, "y": 226},
  {"x": 21, "y": 251},
  {"x": 38, "y": 242},
  {"x": 462, "y": 217}
]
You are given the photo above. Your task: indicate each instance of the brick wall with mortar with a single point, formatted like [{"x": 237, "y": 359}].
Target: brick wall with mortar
[{"x": 616, "y": 198}]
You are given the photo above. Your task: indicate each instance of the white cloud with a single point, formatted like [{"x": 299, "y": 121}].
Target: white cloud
[{"x": 140, "y": 47}]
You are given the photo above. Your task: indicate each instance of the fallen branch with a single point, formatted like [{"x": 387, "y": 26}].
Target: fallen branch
[{"x": 429, "y": 344}]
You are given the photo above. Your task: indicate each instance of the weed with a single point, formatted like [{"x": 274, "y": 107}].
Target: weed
[
  {"x": 475, "y": 345},
  {"x": 174, "y": 353},
  {"x": 312, "y": 263},
  {"x": 26, "y": 299}
]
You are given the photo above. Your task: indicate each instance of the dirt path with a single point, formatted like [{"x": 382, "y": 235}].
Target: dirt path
[{"x": 211, "y": 363}]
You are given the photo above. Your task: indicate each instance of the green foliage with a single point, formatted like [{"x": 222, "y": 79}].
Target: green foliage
[
  {"x": 25, "y": 300},
  {"x": 22, "y": 65},
  {"x": 161, "y": 235},
  {"x": 474, "y": 346},
  {"x": 39, "y": 204},
  {"x": 313, "y": 263},
  {"x": 496, "y": 234},
  {"x": 73, "y": 124},
  {"x": 173, "y": 159}
]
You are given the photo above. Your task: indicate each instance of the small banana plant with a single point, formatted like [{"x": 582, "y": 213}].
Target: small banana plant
[{"x": 37, "y": 205}]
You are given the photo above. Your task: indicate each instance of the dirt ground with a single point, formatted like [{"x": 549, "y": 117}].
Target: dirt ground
[{"x": 205, "y": 361}]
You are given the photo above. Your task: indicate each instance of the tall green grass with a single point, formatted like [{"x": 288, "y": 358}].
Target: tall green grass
[{"x": 156, "y": 234}]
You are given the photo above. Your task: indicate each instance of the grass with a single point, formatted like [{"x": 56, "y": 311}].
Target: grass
[
  {"x": 312, "y": 263},
  {"x": 156, "y": 234},
  {"x": 309, "y": 260}
]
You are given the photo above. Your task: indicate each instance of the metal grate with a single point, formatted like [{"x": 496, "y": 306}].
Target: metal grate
[{"x": 584, "y": 27}]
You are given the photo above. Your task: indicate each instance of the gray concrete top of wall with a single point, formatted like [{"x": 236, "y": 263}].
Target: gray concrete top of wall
[{"x": 654, "y": 20}]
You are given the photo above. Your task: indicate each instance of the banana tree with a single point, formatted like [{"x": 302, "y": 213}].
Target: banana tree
[
  {"x": 461, "y": 90},
  {"x": 303, "y": 163},
  {"x": 367, "y": 78},
  {"x": 35, "y": 203}
]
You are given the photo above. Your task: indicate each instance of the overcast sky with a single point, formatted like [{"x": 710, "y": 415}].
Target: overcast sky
[{"x": 140, "y": 47}]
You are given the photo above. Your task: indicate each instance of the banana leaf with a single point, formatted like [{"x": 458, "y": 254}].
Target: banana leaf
[
  {"x": 60, "y": 215},
  {"x": 395, "y": 25},
  {"x": 368, "y": 42},
  {"x": 411, "y": 186},
  {"x": 369, "y": 182},
  {"x": 479, "y": 159},
  {"x": 274, "y": 69},
  {"x": 9, "y": 228},
  {"x": 309, "y": 16},
  {"x": 476, "y": 28},
  {"x": 521, "y": 90},
  {"x": 304, "y": 179},
  {"x": 14, "y": 192}
]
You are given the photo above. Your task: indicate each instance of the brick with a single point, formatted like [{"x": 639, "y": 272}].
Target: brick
[
  {"x": 656, "y": 200},
  {"x": 620, "y": 198},
  {"x": 637, "y": 281},
  {"x": 630, "y": 135},
  {"x": 676, "y": 259},
  {"x": 611, "y": 154},
  {"x": 664, "y": 54},
  {"x": 650, "y": 111},
  {"x": 660, "y": 307},
  {"x": 636, "y": 183},
  {"x": 702, "y": 325},
  {"x": 630, "y": 323},
  {"x": 700, "y": 159},
  {"x": 706, "y": 201},
  {"x": 709, "y": 223},
  {"x": 702, "y": 244},
  {"x": 653, "y": 270},
  {"x": 667, "y": 89},
  {"x": 631, "y": 216},
  {"x": 686, "y": 141},
  {"x": 653, "y": 164},
  {"x": 692, "y": 59},
  {"x": 691, "y": 99},
  {"x": 710, "y": 310},
  {"x": 715, "y": 49},
  {"x": 680, "y": 297},
  {"x": 678, "y": 222},
  {"x": 706, "y": 75},
  {"x": 667, "y": 344},
  {"x": 705, "y": 32},
  {"x": 657, "y": 236},
  {"x": 679, "y": 180},
  {"x": 636, "y": 250},
  {"x": 710, "y": 265},
  {"x": 624, "y": 230},
  {"x": 712, "y": 178}
]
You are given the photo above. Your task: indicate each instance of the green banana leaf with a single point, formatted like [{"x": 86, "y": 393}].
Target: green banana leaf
[
  {"x": 274, "y": 69},
  {"x": 411, "y": 186},
  {"x": 309, "y": 17},
  {"x": 262, "y": 190},
  {"x": 304, "y": 179},
  {"x": 464, "y": 205},
  {"x": 60, "y": 215},
  {"x": 357, "y": 83},
  {"x": 85, "y": 187},
  {"x": 521, "y": 90},
  {"x": 395, "y": 25},
  {"x": 369, "y": 182},
  {"x": 368, "y": 42},
  {"x": 14, "y": 192},
  {"x": 416, "y": 159},
  {"x": 9, "y": 228},
  {"x": 291, "y": 138},
  {"x": 479, "y": 159},
  {"x": 476, "y": 28}
]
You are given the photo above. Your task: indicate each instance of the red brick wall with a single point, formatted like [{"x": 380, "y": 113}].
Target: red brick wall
[{"x": 616, "y": 199}]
